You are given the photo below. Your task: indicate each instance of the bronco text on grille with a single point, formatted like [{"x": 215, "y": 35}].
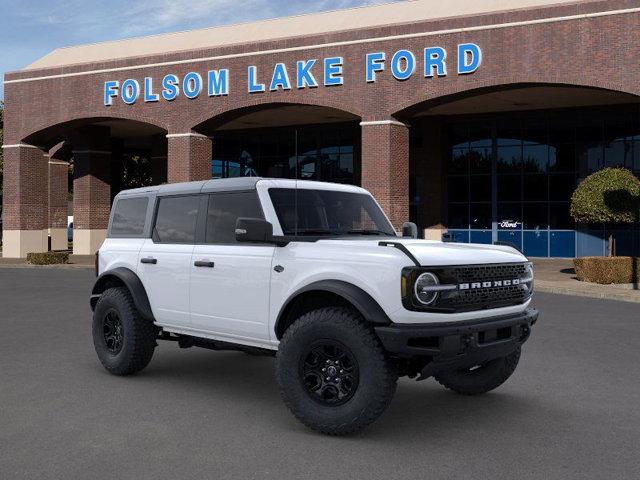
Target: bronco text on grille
[{"x": 478, "y": 287}]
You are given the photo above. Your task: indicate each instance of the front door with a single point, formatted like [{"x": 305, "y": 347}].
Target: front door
[
  {"x": 164, "y": 262},
  {"x": 230, "y": 280}
]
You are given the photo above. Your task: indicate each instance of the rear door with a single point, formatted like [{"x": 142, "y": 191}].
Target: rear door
[
  {"x": 230, "y": 280},
  {"x": 164, "y": 263}
]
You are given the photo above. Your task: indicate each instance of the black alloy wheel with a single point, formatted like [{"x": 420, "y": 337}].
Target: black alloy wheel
[
  {"x": 332, "y": 371},
  {"x": 112, "y": 331},
  {"x": 123, "y": 339},
  {"x": 329, "y": 372}
]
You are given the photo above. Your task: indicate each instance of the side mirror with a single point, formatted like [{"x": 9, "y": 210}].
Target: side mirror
[
  {"x": 254, "y": 230},
  {"x": 409, "y": 230}
]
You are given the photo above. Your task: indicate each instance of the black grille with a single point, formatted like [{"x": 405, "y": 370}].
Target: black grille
[
  {"x": 462, "y": 300},
  {"x": 480, "y": 273}
]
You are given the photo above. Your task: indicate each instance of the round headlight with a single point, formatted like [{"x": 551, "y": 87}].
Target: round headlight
[{"x": 423, "y": 288}]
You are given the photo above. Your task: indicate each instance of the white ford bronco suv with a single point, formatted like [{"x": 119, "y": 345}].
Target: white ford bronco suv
[{"x": 314, "y": 274}]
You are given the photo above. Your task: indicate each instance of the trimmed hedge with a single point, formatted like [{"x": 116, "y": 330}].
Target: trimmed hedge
[
  {"x": 611, "y": 195},
  {"x": 48, "y": 258},
  {"x": 607, "y": 270}
]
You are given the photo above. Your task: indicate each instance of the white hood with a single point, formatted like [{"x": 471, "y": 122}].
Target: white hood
[{"x": 432, "y": 253}]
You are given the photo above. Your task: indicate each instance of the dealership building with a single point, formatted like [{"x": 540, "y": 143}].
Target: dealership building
[{"x": 474, "y": 119}]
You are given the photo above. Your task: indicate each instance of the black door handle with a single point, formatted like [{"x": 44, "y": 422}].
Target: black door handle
[
  {"x": 203, "y": 263},
  {"x": 149, "y": 260}
]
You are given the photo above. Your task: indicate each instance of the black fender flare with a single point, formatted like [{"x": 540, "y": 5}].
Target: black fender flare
[
  {"x": 366, "y": 305},
  {"x": 133, "y": 284}
]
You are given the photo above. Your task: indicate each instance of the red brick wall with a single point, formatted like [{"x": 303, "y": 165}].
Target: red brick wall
[
  {"x": 91, "y": 189},
  {"x": 26, "y": 186},
  {"x": 385, "y": 168},
  {"x": 599, "y": 52},
  {"x": 189, "y": 158},
  {"x": 58, "y": 188}
]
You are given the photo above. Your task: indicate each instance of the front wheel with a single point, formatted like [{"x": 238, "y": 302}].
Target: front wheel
[
  {"x": 480, "y": 378},
  {"x": 333, "y": 373},
  {"x": 124, "y": 341}
]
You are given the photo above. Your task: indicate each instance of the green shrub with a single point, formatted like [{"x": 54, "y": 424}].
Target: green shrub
[
  {"x": 48, "y": 258},
  {"x": 607, "y": 270},
  {"x": 611, "y": 195}
]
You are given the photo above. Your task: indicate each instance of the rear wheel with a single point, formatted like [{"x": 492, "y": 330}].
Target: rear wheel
[
  {"x": 333, "y": 373},
  {"x": 480, "y": 378},
  {"x": 123, "y": 340}
]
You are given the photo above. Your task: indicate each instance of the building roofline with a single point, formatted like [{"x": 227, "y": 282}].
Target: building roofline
[{"x": 281, "y": 28}]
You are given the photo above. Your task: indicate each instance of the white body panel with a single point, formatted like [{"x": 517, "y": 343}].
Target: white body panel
[
  {"x": 167, "y": 281},
  {"x": 241, "y": 297},
  {"x": 232, "y": 297},
  {"x": 120, "y": 252}
]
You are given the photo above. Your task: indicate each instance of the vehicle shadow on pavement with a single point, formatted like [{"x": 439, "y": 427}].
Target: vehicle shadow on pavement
[{"x": 420, "y": 411}]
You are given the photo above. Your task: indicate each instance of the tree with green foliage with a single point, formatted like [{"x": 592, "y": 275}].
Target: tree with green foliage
[{"x": 609, "y": 196}]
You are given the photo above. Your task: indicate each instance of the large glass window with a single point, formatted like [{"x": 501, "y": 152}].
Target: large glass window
[
  {"x": 510, "y": 176},
  {"x": 129, "y": 216},
  {"x": 224, "y": 210},
  {"x": 328, "y": 212},
  {"x": 176, "y": 219},
  {"x": 323, "y": 153}
]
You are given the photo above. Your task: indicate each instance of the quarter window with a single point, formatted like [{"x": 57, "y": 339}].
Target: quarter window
[
  {"x": 224, "y": 210},
  {"x": 129, "y": 217},
  {"x": 176, "y": 219}
]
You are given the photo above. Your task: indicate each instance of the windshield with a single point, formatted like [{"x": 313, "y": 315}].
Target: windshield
[{"x": 328, "y": 212}]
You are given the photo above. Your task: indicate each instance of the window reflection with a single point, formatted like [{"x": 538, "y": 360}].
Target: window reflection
[
  {"x": 324, "y": 153},
  {"x": 538, "y": 159}
]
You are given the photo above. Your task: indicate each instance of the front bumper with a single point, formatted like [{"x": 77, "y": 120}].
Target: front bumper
[{"x": 452, "y": 345}]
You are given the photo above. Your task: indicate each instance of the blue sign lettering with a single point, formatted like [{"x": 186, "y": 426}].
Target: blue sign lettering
[
  {"x": 218, "y": 82},
  {"x": 434, "y": 59},
  {"x": 170, "y": 87},
  {"x": 402, "y": 67},
  {"x": 280, "y": 78},
  {"x": 304, "y": 77},
  {"x": 110, "y": 91},
  {"x": 192, "y": 85},
  {"x": 469, "y": 58},
  {"x": 254, "y": 87},
  {"x": 130, "y": 91},
  {"x": 333, "y": 71},
  {"x": 149, "y": 96},
  {"x": 403, "y": 64},
  {"x": 375, "y": 63}
]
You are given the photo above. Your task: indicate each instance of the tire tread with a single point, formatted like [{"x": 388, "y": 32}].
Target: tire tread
[{"x": 386, "y": 374}]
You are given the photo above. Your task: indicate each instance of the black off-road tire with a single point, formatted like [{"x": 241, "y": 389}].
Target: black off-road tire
[
  {"x": 370, "y": 393},
  {"x": 138, "y": 336},
  {"x": 482, "y": 379}
]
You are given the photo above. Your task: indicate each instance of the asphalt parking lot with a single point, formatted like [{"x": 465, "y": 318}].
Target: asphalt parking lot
[{"x": 569, "y": 411}]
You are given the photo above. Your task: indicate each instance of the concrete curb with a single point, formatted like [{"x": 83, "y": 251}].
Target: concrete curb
[
  {"x": 64, "y": 266},
  {"x": 588, "y": 290}
]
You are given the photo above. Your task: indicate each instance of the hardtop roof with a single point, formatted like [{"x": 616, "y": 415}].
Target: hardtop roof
[{"x": 229, "y": 185}]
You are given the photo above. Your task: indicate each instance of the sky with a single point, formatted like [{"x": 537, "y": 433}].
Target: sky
[{"x": 29, "y": 29}]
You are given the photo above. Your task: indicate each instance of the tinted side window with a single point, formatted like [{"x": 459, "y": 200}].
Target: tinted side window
[
  {"x": 224, "y": 209},
  {"x": 129, "y": 216},
  {"x": 176, "y": 219}
]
